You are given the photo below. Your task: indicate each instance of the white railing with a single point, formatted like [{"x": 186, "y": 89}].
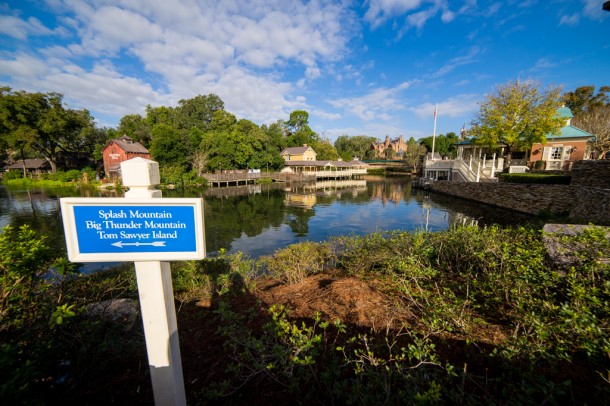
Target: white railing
[
  {"x": 332, "y": 174},
  {"x": 472, "y": 170},
  {"x": 518, "y": 169}
]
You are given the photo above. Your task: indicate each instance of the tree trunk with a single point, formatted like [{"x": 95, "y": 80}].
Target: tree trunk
[{"x": 25, "y": 171}]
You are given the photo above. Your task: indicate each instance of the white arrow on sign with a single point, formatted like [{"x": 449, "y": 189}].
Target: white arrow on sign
[{"x": 120, "y": 244}]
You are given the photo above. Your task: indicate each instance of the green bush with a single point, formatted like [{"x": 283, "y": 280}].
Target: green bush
[
  {"x": 298, "y": 261},
  {"x": 538, "y": 178},
  {"x": 12, "y": 174}
]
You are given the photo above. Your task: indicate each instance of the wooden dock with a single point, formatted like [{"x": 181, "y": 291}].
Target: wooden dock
[{"x": 236, "y": 178}]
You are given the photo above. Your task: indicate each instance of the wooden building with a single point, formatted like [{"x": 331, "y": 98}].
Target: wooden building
[
  {"x": 31, "y": 166},
  {"x": 119, "y": 150},
  {"x": 304, "y": 153}
]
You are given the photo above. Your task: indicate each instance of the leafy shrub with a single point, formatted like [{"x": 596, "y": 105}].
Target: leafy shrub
[
  {"x": 12, "y": 174},
  {"x": 295, "y": 262},
  {"x": 539, "y": 178},
  {"x": 24, "y": 260}
]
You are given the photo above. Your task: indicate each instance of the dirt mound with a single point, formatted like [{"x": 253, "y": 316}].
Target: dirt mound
[{"x": 347, "y": 299}]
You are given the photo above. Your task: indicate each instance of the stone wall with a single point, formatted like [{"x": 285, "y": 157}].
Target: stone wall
[
  {"x": 524, "y": 198},
  {"x": 592, "y": 205},
  {"x": 594, "y": 174},
  {"x": 586, "y": 199}
]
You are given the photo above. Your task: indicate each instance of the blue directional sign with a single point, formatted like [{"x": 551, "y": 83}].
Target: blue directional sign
[{"x": 99, "y": 230}]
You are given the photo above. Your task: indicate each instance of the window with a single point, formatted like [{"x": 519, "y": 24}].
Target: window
[{"x": 556, "y": 153}]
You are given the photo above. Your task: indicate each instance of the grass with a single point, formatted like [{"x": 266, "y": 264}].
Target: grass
[{"x": 39, "y": 183}]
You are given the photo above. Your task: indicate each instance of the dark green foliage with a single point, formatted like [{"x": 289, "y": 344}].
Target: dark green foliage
[
  {"x": 583, "y": 99},
  {"x": 359, "y": 146},
  {"x": 39, "y": 122},
  {"x": 443, "y": 144},
  {"x": 537, "y": 178}
]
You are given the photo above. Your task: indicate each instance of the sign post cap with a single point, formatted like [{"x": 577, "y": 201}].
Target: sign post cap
[{"x": 140, "y": 172}]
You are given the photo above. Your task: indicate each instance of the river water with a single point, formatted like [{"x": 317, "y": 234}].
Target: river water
[{"x": 259, "y": 219}]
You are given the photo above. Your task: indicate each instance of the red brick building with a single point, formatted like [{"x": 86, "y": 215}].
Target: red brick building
[{"x": 119, "y": 150}]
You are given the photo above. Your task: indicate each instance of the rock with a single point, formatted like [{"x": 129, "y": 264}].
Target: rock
[
  {"x": 560, "y": 251},
  {"x": 123, "y": 311}
]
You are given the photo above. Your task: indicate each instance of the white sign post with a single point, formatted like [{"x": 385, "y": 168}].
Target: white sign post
[{"x": 143, "y": 228}]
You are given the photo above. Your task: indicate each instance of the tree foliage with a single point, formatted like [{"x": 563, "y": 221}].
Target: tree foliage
[
  {"x": 297, "y": 130},
  {"x": 135, "y": 127},
  {"x": 325, "y": 151},
  {"x": 443, "y": 144},
  {"x": 358, "y": 146},
  {"x": 415, "y": 152},
  {"x": 167, "y": 146},
  {"x": 39, "y": 122},
  {"x": 584, "y": 100},
  {"x": 518, "y": 115}
]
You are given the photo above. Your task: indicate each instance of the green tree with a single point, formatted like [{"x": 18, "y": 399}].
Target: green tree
[
  {"x": 298, "y": 131},
  {"x": 168, "y": 147},
  {"x": 325, "y": 151},
  {"x": 519, "y": 114},
  {"x": 357, "y": 146},
  {"x": 444, "y": 144},
  {"x": 135, "y": 127},
  {"x": 41, "y": 123},
  {"x": 583, "y": 99},
  {"x": 414, "y": 154},
  {"x": 197, "y": 111},
  {"x": 276, "y": 134},
  {"x": 160, "y": 115},
  {"x": 216, "y": 143}
]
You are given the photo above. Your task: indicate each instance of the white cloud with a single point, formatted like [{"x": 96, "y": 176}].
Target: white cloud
[
  {"x": 233, "y": 49},
  {"x": 543, "y": 64},
  {"x": 470, "y": 57},
  {"x": 419, "y": 19},
  {"x": 590, "y": 9},
  {"x": 593, "y": 9},
  {"x": 21, "y": 29},
  {"x": 257, "y": 97},
  {"x": 571, "y": 20},
  {"x": 457, "y": 106},
  {"x": 380, "y": 11},
  {"x": 102, "y": 88},
  {"x": 22, "y": 67},
  {"x": 416, "y": 13},
  {"x": 374, "y": 105}
]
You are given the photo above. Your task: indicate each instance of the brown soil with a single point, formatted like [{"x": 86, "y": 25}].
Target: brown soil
[{"x": 349, "y": 300}]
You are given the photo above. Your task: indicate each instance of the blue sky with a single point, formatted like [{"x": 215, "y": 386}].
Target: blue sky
[{"x": 372, "y": 68}]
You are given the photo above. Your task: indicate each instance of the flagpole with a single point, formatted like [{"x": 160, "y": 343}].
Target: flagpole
[{"x": 434, "y": 133}]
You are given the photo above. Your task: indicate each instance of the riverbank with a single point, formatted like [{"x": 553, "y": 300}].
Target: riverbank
[
  {"x": 466, "y": 315},
  {"x": 585, "y": 200}
]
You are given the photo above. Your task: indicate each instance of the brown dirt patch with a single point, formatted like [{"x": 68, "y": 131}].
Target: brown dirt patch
[{"x": 346, "y": 299}]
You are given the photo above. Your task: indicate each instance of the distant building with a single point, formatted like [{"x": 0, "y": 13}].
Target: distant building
[
  {"x": 562, "y": 150},
  {"x": 304, "y": 153},
  {"x": 119, "y": 150},
  {"x": 390, "y": 149},
  {"x": 302, "y": 161},
  {"x": 32, "y": 166}
]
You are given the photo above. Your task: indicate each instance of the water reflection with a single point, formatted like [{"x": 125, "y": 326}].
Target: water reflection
[{"x": 259, "y": 219}]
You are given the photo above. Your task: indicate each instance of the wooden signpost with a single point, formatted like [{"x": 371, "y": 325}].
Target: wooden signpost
[{"x": 145, "y": 229}]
